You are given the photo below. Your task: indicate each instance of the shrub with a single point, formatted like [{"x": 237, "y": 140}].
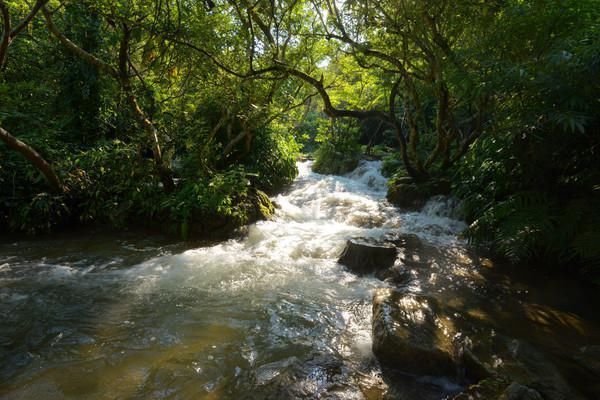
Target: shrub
[{"x": 272, "y": 160}]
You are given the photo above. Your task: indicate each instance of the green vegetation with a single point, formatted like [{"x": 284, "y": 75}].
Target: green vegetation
[
  {"x": 339, "y": 152},
  {"x": 171, "y": 113},
  {"x": 128, "y": 128},
  {"x": 531, "y": 184}
]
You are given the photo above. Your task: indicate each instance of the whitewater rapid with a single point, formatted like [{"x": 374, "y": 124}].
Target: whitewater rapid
[{"x": 221, "y": 320}]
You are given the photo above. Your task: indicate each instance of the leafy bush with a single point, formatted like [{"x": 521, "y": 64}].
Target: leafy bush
[
  {"x": 196, "y": 200},
  {"x": 392, "y": 165},
  {"x": 329, "y": 160},
  {"x": 273, "y": 160},
  {"x": 111, "y": 184},
  {"x": 531, "y": 186}
]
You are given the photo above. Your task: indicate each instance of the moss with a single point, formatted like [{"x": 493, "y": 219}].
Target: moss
[{"x": 263, "y": 205}]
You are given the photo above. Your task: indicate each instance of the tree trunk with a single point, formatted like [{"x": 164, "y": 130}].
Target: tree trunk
[
  {"x": 5, "y": 39},
  {"x": 416, "y": 174},
  {"x": 164, "y": 173},
  {"x": 122, "y": 76},
  {"x": 34, "y": 157}
]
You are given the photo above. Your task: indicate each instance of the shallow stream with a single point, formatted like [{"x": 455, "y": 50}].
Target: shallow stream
[{"x": 272, "y": 315}]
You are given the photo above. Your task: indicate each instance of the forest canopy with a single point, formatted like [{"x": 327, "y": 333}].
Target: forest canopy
[{"x": 175, "y": 112}]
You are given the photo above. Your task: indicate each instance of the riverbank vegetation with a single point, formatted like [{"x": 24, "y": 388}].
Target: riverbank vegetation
[{"x": 174, "y": 114}]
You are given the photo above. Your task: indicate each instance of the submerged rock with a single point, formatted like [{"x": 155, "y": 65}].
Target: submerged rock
[
  {"x": 516, "y": 391},
  {"x": 487, "y": 389},
  {"x": 410, "y": 335},
  {"x": 587, "y": 363},
  {"x": 319, "y": 376},
  {"x": 362, "y": 256},
  {"x": 498, "y": 388},
  {"x": 519, "y": 362},
  {"x": 526, "y": 365}
]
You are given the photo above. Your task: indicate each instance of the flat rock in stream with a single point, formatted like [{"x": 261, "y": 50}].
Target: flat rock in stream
[
  {"x": 408, "y": 241},
  {"x": 364, "y": 256}
]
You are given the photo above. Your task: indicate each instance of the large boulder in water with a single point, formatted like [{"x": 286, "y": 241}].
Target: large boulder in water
[
  {"x": 409, "y": 334},
  {"x": 364, "y": 256},
  {"x": 406, "y": 194},
  {"x": 416, "y": 334}
]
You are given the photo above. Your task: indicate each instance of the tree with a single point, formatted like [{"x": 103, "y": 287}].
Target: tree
[
  {"x": 8, "y": 36},
  {"x": 413, "y": 47},
  {"x": 122, "y": 74}
]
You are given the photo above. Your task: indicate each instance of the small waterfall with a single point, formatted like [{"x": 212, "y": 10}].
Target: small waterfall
[{"x": 444, "y": 206}]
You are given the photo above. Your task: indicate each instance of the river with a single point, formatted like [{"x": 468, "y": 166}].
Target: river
[{"x": 271, "y": 315}]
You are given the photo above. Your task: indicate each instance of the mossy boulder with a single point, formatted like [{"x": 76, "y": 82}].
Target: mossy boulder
[
  {"x": 256, "y": 207},
  {"x": 263, "y": 207}
]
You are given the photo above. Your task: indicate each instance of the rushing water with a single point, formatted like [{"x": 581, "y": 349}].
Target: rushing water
[{"x": 268, "y": 316}]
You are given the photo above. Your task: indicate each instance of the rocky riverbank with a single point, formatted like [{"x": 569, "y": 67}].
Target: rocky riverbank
[{"x": 476, "y": 328}]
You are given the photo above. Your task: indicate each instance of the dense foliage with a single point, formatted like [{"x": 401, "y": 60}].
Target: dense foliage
[
  {"x": 100, "y": 111},
  {"x": 532, "y": 185},
  {"x": 166, "y": 111}
]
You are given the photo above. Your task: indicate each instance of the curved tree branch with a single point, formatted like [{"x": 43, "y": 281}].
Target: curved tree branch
[
  {"x": 12, "y": 142},
  {"x": 23, "y": 24},
  {"x": 76, "y": 50},
  {"x": 34, "y": 157},
  {"x": 5, "y": 40},
  {"x": 330, "y": 110}
]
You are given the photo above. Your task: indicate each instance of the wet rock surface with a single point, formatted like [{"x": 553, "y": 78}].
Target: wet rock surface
[
  {"x": 409, "y": 195},
  {"x": 409, "y": 334},
  {"x": 417, "y": 334},
  {"x": 480, "y": 331},
  {"x": 498, "y": 388},
  {"x": 364, "y": 256},
  {"x": 319, "y": 376}
]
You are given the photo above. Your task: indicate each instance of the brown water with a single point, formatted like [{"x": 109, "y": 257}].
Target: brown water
[{"x": 98, "y": 316}]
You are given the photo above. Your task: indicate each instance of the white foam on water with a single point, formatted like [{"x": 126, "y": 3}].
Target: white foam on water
[{"x": 281, "y": 285}]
